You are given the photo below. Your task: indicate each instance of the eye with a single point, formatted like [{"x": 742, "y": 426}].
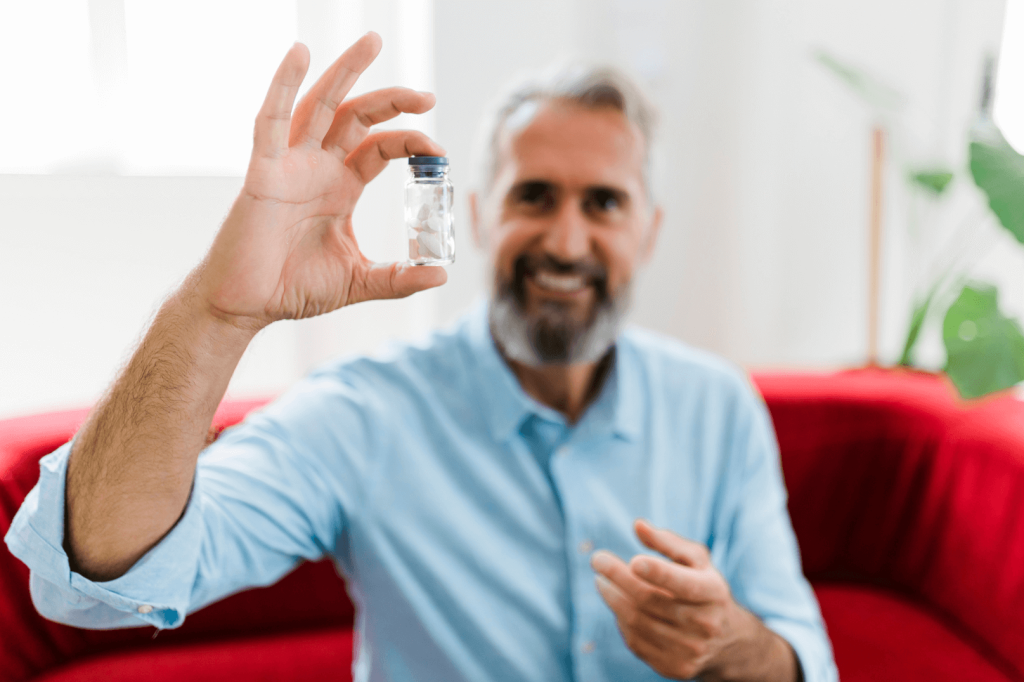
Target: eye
[
  {"x": 534, "y": 195},
  {"x": 601, "y": 200}
]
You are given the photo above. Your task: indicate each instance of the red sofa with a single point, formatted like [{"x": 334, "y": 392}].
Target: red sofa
[{"x": 908, "y": 505}]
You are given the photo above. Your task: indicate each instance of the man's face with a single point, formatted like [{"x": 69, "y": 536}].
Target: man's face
[{"x": 567, "y": 225}]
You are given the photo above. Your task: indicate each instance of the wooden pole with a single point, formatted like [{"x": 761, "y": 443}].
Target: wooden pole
[{"x": 875, "y": 241}]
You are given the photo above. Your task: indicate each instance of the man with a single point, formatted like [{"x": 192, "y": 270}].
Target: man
[{"x": 480, "y": 492}]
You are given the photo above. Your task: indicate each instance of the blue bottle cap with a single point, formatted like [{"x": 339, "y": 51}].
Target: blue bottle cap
[{"x": 428, "y": 160}]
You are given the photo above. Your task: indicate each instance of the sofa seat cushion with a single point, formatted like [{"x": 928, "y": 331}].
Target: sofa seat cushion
[
  {"x": 878, "y": 635},
  {"x": 295, "y": 656}
]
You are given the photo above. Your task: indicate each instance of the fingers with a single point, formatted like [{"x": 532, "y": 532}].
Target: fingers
[
  {"x": 676, "y": 548},
  {"x": 675, "y": 617},
  {"x": 315, "y": 113},
  {"x": 274, "y": 118},
  {"x": 691, "y": 578},
  {"x": 686, "y": 584},
  {"x": 616, "y": 599},
  {"x": 395, "y": 280},
  {"x": 630, "y": 616},
  {"x": 371, "y": 157},
  {"x": 672, "y": 649},
  {"x": 354, "y": 117},
  {"x": 632, "y": 620},
  {"x": 647, "y": 597}
]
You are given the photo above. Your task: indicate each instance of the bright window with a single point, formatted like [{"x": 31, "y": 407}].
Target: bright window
[
  {"x": 1008, "y": 108},
  {"x": 135, "y": 86}
]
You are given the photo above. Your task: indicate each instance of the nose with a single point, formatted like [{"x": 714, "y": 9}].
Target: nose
[{"x": 567, "y": 238}]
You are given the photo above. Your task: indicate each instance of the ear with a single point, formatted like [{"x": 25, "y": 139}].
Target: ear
[
  {"x": 474, "y": 220},
  {"x": 647, "y": 248}
]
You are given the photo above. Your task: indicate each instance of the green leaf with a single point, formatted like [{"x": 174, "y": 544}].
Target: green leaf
[
  {"x": 985, "y": 349},
  {"x": 917, "y": 319},
  {"x": 934, "y": 181},
  {"x": 867, "y": 87},
  {"x": 999, "y": 171}
]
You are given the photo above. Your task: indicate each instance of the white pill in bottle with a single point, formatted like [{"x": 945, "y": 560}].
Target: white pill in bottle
[{"x": 429, "y": 220}]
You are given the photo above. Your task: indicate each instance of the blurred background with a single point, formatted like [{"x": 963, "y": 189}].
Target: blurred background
[{"x": 126, "y": 127}]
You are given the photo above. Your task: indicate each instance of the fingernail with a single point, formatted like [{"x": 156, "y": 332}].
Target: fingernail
[
  {"x": 601, "y": 582},
  {"x": 642, "y": 567},
  {"x": 600, "y": 561}
]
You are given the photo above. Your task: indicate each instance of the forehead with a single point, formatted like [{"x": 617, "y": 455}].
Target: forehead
[{"x": 568, "y": 144}]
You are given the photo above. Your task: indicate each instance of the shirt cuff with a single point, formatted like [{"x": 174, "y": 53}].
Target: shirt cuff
[
  {"x": 813, "y": 650},
  {"x": 155, "y": 591}
]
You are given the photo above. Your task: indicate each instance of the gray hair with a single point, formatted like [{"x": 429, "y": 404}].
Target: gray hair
[{"x": 589, "y": 86}]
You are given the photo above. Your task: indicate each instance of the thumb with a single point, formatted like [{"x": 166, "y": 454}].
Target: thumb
[{"x": 398, "y": 280}]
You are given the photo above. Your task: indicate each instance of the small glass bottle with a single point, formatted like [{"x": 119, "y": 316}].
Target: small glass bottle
[{"x": 429, "y": 220}]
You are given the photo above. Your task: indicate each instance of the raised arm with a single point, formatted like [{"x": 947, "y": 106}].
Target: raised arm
[{"x": 286, "y": 251}]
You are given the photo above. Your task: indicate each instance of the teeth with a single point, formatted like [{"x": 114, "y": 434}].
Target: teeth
[{"x": 562, "y": 283}]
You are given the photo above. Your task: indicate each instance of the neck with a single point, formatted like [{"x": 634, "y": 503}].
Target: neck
[{"x": 566, "y": 388}]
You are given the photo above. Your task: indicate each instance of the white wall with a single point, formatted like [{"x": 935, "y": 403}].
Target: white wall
[
  {"x": 762, "y": 257},
  {"x": 87, "y": 255},
  {"x": 86, "y": 260}
]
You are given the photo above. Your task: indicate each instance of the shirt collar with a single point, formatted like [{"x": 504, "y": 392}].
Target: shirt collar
[{"x": 618, "y": 409}]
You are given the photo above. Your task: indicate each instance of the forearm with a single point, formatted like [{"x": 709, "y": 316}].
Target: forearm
[
  {"x": 756, "y": 654},
  {"x": 131, "y": 468},
  {"x": 286, "y": 252}
]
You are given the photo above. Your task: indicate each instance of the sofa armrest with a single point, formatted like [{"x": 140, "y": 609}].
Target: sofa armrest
[
  {"x": 311, "y": 597},
  {"x": 894, "y": 481}
]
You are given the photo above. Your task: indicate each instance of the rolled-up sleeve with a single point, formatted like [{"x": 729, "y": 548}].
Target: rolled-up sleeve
[
  {"x": 761, "y": 559},
  {"x": 156, "y": 591},
  {"x": 268, "y": 494}
]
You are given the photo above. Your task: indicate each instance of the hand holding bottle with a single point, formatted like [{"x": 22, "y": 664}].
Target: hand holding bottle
[{"x": 287, "y": 248}]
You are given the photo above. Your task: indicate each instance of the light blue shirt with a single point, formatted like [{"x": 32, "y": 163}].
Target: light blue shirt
[{"x": 462, "y": 512}]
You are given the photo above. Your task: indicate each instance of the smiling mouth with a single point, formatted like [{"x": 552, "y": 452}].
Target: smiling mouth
[
  {"x": 556, "y": 280},
  {"x": 560, "y": 283}
]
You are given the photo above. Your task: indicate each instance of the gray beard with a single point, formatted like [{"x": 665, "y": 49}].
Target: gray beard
[{"x": 552, "y": 337}]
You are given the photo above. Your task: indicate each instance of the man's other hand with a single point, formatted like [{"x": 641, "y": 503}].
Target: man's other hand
[
  {"x": 287, "y": 248},
  {"x": 679, "y": 617}
]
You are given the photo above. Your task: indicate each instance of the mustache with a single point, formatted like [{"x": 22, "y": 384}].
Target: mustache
[{"x": 531, "y": 264}]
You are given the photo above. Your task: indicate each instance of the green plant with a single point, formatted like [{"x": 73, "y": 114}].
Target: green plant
[
  {"x": 984, "y": 347},
  {"x": 934, "y": 180}
]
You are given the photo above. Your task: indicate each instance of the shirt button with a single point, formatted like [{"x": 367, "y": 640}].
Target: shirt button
[
  {"x": 586, "y": 547},
  {"x": 145, "y": 608},
  {"x": 562, "y": 451},
  {"x": 588, "y": 647}
]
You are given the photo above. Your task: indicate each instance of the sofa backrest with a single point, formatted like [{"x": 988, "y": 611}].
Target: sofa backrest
[
  {"x": 892, "y": 482},
  {"x": 313, "y": 596},
  {"x": 895, "y": 482}
]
